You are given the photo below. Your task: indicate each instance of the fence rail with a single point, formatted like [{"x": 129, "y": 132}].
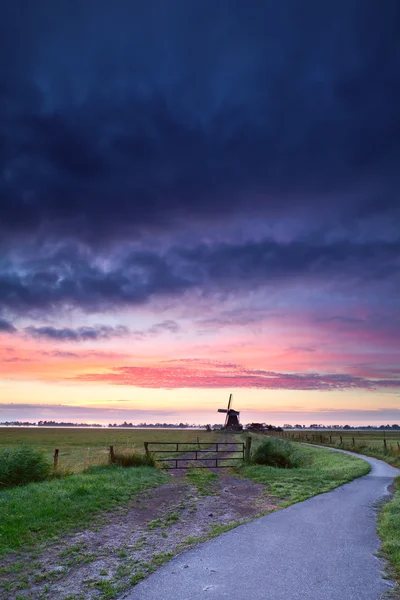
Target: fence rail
[{"x": 213, "y": 461}]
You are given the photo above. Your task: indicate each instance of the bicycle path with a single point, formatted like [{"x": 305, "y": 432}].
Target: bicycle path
[{"x": 321, "y": 549}]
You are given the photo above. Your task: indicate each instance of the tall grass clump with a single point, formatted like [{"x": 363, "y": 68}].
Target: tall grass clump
[
  {"x": 278, "y": 453},
  {"x": 134, "y": 459},
  {"x": 21, "y": 465}
]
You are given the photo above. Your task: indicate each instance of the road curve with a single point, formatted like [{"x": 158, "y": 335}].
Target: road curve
[{"x": 321, "y": 549}]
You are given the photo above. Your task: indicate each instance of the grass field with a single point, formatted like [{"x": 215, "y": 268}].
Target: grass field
[
  {"x": 380, "y": 444},
  {"x": 322, "y": 471},
  {"x": 80, "y": 449},
  {"x": 40, "y": 512}
]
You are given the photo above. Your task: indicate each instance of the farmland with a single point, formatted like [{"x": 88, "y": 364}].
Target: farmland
[
  {"x": 82, "y": 448},
  {"x": 381, "y": 444},
  {"x": 98, "y": 531}
]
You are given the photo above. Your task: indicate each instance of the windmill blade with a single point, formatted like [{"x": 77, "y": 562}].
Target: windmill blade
[
  {"x": 224, "y": 410},
  {"x": 230, "y": 401},
  {"x": 226, "y": 419}
]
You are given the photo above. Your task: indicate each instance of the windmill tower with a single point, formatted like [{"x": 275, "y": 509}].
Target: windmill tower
[{"x": 232, "y": 417}]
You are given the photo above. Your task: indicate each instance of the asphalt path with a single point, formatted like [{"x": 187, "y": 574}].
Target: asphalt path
[{"x": 321, "y": 549}]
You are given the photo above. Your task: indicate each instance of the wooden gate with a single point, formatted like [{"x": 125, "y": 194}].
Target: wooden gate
[{"x": 203, "y": 456}]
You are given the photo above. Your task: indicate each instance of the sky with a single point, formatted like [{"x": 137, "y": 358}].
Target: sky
[{"x": 199, "y": 198}]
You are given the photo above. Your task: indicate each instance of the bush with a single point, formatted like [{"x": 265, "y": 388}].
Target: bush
[
  {"x": 21, "y": 465},
  {"x": 134, "y": 459},
  {"x": 277, "y": 453}
]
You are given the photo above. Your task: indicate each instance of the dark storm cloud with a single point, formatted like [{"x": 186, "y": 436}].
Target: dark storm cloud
[
  {"x": 122, "y": 116},
  {"x": 137, "y": 277},
  {"x": 6, "y": 326},
  {"x": 80, "y": 334}
]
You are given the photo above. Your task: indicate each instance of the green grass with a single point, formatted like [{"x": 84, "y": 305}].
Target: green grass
[
  {"x": 203, "y": 480},
  {"x": 38, "y": 512},
  {"x": 82, "y": 448},
  {"x": 389, "y": 530},
  {"x": 322, "y": 471},
  {"x": 362, "y": 442},
  {"x": 22, "y": 464}
]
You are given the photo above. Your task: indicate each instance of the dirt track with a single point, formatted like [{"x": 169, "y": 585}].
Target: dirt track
[{"x": 102, "y": 562}]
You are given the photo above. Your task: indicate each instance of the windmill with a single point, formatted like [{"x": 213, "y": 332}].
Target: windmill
[{"x": 232, "y": 416}]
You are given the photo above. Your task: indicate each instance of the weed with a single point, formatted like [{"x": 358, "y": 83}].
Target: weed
[
  {"x": 21, "y": 465},
  {"x": 204, "y": 481},
  {"x": 134, "y": 459},
  {"x": 134, "y": 580},
  {"x": 277, "y": 453},
  {"x": 123, "y": 571},
  {"x": 107, "y": 588},
  {"x": 171, "y": 518},
  {"x": 216, "y": 529},
  {"x": 155, "y": 523},
  {"x": 161, "y": 558}
]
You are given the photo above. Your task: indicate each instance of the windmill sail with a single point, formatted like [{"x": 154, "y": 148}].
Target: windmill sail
[{"x": 231, "y": 420}]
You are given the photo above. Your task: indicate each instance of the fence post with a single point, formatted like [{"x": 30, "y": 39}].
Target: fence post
[
  {"x": 354, "y": 442},
  {"x": 112, "y": 457},
  {"x": 248, "y": 448},
  {"x": 384, "y": 446},
  {"x": 146, "y": 448},
  {"x": 55, "y": 460},
  {"x": 341, "y": 440}
]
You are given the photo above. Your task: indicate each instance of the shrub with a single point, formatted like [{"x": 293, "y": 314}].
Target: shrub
[
  {"x": 277, "y": 453},
  {"x": 134, "y": 459},
  {"x": 21, "y": 465}
]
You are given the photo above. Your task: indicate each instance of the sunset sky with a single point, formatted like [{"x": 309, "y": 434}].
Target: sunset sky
[{"x": 199, "y": 198}]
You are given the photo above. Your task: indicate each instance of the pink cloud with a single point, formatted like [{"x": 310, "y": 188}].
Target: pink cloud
[{"x": 209, "y": 374}]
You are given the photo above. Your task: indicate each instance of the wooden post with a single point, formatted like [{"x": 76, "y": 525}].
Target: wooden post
[
  {"x": 112, "y": 457},
  {"x": 341, "y": 440},
  {"x": 146, "y": 448},
  {"x": 248, "y": 448},
  {"x": 354, "y": 442},
  {"x": 384, "y": 445},
  {"x": 330, "y": 439},
  {"x": 55, "y": 460}
]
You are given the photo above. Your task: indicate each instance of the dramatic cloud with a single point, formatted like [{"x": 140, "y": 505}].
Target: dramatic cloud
[
  {"x": 123, "y": 135},
  {"x": 80, "y": 334},
  {"x": 6, "y": 326},
  {"x": 196, "y": 374},
  {"x": 213, "y": 179},
  {"x": 69, "y": 277}
]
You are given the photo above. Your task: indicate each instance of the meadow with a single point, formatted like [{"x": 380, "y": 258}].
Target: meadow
[
  {"x": 383, "y": 444},
  {"x": 82, "y": 448}
]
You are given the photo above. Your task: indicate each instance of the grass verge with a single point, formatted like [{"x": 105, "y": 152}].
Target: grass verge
[
  {"x": 323, "y": 471},
  {"x": 389, "y": 531},
  {"x": 42, "y": 511}
]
